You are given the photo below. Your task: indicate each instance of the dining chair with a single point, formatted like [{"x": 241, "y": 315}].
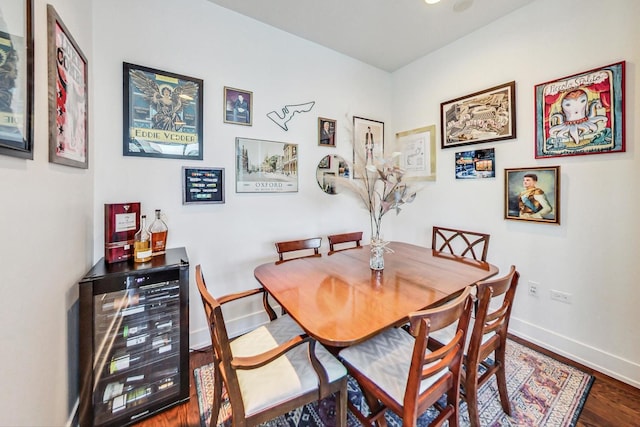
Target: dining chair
[
  {"x": 307, "y": 245},
  {"x": 338, "y": 239},
  {"x": 460, "y": 242},
  {"x": 487, "y": 335},
  {"x": 397, "y": 371},
  {"x": 270, "y": 370}
]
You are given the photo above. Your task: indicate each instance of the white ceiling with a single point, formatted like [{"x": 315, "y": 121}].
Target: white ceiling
[{"x": 387, "y": 34}]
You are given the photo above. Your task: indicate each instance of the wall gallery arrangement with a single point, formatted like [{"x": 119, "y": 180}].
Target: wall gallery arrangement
[
  {"x": 68, "y": 96},
  {"x": 16, "y": 89}
]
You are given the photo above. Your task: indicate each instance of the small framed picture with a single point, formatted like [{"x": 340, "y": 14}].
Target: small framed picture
[
  {"x": 202, "y": 185},
  {"x": 487, "y": 115},
  {"x": 162, "y": 114},
  {"x": 475, "y": 164},
  {"x": 532, "y": 194},
  {"x": 266, "y": 166},
  {"x": 581, "y": 114},
  {"x": 68, "y": 101},
  {"x": 326, "y": 132},
  {"x": 238, "y": 106},
  {"x": 368, "y": 143}
]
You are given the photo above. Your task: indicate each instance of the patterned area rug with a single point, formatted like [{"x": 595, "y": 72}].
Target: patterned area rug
[{"x": 543, "y": 392}]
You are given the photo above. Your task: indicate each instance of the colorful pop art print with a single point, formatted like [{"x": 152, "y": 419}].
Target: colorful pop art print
[{"x": 581, "y": 114}]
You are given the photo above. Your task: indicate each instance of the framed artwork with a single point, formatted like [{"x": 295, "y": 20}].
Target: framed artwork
[
  {"x": 326, "y": 132},
  {"x": 532, "y": 194},
  {"x": 476, "y": 164},
  {"x": 162, "y": 114},
  {"x": 238, "y": 106},
  {"x": 68, "y": 96},
  {"x": 418, "y": 148},
  {"x": 581, "y": 114},
  {"x": 266, "y": 166},
  {"x": 16, "y": 85},
  {"x": 368, "y": 143},
  {"x": 202, "y": 185},
  {"x": 488, "y": 115}
]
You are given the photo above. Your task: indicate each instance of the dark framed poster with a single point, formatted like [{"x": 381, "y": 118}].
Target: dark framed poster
[
  {"x": 68, "y": 98},
  {"x": 202, "y": 185},
  {"x": 162, "y": 114},
  {"x": 16, "y": 84}
]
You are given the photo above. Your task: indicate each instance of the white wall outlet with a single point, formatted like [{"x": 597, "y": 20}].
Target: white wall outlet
[
  {"x": 561, "y": 296},
  {"x": 533, "y": 288}
]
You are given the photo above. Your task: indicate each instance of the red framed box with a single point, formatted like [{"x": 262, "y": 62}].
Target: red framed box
[{"x": 121, "y": 221}]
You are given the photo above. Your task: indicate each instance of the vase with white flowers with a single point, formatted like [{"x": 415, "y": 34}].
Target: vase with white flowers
[{"x": 378, "y": 184}]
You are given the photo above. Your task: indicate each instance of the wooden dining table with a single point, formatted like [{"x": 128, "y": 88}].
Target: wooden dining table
[{"x": 340, "y": 301}]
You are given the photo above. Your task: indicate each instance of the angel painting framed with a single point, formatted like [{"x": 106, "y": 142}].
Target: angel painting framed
[{"x": 162, "y": 114}]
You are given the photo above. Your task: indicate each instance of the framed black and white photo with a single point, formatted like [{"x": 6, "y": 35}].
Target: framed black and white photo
[
  {"x": 16, "y": 87},
  {"x": 202, "y": 185},
  {"x": 162, "y": 114},
  {"x": 266, "y": 166}
]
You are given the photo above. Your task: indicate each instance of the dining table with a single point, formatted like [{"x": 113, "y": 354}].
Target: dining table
[{"x": 340, "y": 301}]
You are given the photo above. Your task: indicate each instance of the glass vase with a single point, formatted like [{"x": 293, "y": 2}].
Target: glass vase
[{"x": 376, "y": 259}]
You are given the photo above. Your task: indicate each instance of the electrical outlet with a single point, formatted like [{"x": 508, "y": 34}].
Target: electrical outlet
[
  {"x": 561, "y": 296},
  {"x": 533, "y": 289}
]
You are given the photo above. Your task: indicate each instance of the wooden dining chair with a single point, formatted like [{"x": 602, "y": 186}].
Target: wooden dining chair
[
  {"x": 460, "y": 242},
  {"x": 338, "y": 239},
  {"x": 272, "y": 369},
  {"x": 396, "y": 371},
  {"x": 310, "y": 246},
  {"x": 487, "y": 335}
]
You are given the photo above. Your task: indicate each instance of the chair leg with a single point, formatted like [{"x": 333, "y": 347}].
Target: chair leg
[
  {"x": 471, "y": 395},
  {"x": 217, "y": 397},
  {"x": 501, "y": 379},
  {"x": 341, "y": 405}
]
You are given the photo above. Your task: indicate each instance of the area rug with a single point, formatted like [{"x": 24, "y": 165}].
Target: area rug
[{"x": 543, "y": 392}]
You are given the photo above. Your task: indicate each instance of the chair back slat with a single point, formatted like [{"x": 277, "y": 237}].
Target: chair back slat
[
  {"x": 311, "y": 247},
  {"x": 337, "y": 239},
  {"x": 463, "y": 243}
]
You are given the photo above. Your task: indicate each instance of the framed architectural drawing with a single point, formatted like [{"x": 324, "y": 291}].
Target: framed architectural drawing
[
  {"x": 162, "y": 114},
  {"x": 266, "y": 166},
  {"x": 488, "y": 115},
  {"x": 532, "y": 194},
  {"x": 16, "y": 86},
  {"x": 68, "y": 96},
  {"x": 418, "y": 148},
  {"x": 581, "y": 114}
]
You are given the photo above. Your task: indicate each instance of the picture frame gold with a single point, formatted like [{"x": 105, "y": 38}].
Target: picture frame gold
[
  {"x": 418, "y": 148},
  {"x": 532, "y": 194}
]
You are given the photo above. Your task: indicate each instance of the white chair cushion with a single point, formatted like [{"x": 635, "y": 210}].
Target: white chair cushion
[
  {"x": 286, "y": 377},
  {"x": 385, "y": 359},
  {"x": 445, "y": 335}
]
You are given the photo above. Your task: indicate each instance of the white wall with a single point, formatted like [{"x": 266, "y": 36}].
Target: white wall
[
  {"x": 227, "y": 49},
  {"x": 46, "y": 234},
  {"x": 593, "y": 253}
]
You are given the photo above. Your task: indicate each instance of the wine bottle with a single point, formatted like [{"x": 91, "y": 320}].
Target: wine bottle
[
  {"x": 159, "y": 231},
  {"x": 142, "y": 242}
]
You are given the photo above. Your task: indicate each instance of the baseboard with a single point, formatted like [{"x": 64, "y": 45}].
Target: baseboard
[{"x": 602, "y": 361}]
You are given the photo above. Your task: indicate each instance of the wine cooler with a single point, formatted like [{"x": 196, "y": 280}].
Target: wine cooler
[{"x": 134, "y": 342}]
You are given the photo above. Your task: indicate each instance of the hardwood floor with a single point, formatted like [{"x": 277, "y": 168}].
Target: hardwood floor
[{"x": 610, "y": 402}]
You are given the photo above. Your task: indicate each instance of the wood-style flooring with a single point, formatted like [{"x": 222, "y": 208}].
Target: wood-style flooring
[{"x": 610, "y": 402}]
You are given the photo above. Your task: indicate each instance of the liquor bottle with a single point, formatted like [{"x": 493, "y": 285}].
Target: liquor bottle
[
  {"x": 142, "y": 243},
  {"x": 158, "y": 230}
]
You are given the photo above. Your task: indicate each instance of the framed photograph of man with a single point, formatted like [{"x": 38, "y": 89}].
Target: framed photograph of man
[
  {"x": 581, "y": 114},
  {"x": 487, "y": 115},
  {"x": 532, "y": 194},
  {"x": 238, "y": 106},
  {"x": 16, "y": 79},
  {"x": 162, "y": 114},
  {"x": 368, "y": 143},
  {"x": 326, "y": 132}
]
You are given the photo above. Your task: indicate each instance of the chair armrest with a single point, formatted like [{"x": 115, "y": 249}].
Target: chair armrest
[
  {"x": 239, "y": 295},
  {"x": 259, "y": 360}
]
